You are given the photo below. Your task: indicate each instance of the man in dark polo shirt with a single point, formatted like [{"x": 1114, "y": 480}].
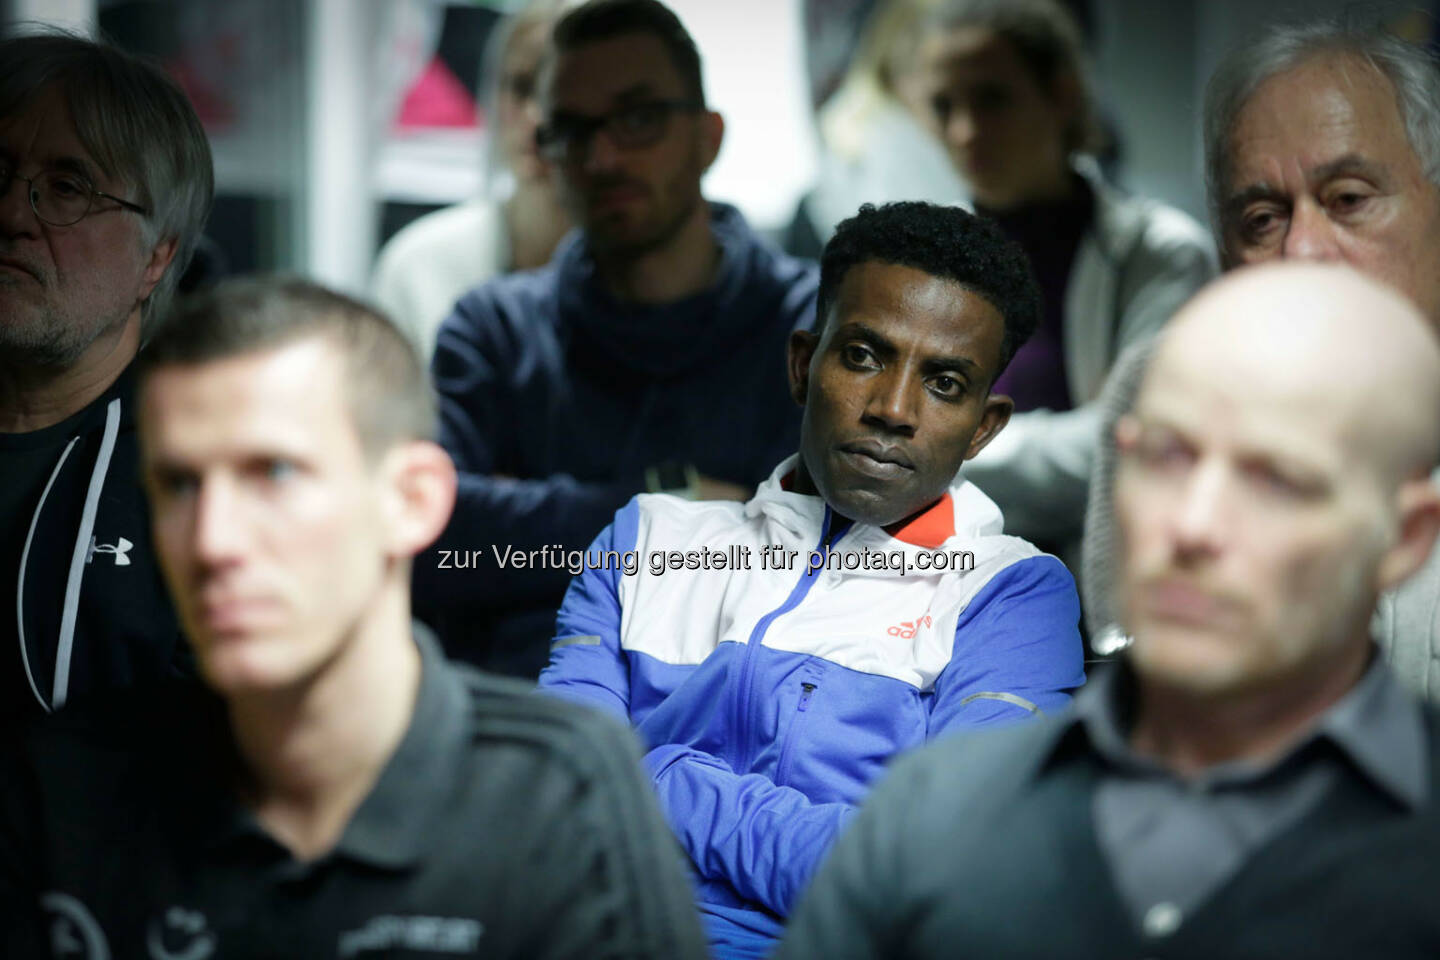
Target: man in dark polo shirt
[
  {"x": 340, "y": 790},
  {"x": 1251, "y": 781}
]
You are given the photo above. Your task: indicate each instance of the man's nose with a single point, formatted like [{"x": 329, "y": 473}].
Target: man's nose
[
  {"x": 1199, "y": 520},
  {"x": 1310, "y": 235},
  {"x": 893, "y": 402},
  {"x": 218, "y": 532},
  {"x": 601, "y": 153},
  {"x": 17, "y": 216},
  {"x": 960, "y": 128}
]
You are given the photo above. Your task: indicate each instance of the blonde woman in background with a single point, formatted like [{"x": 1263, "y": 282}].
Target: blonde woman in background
[
  {"x": 876, "y": 144},
  {"x": 517, "y": 221}
]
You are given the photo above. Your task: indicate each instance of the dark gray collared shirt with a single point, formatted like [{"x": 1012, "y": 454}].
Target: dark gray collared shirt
[
  {"x": 1170, "y": 842},
  {"x": 504, "y": 825}
]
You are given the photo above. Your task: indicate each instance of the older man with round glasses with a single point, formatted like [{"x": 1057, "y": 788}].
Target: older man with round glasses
[
  {"x": 60, "y": 197},
  {"x": 105, "y": 183}
]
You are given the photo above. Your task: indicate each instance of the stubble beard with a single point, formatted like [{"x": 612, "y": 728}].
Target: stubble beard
[
  {"x": 40, "y": 336},
  {"x": 657, "y": 237},
  {"x": 1305, "y": 635}
]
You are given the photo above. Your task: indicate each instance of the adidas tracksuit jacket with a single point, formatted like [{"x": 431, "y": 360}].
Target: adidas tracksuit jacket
[{"x": 772, "y": 694}]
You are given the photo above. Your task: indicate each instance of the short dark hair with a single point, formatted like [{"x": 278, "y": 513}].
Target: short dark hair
[
  {"x": 604, "y": 19},
  {"x": 946, "y": 242},
  {"x": 135, "y": 122},
  {"x": 390, "y": 395}
]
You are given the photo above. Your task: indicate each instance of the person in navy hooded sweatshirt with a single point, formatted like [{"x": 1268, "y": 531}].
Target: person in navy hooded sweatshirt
[{"x": 648, "y": 355}]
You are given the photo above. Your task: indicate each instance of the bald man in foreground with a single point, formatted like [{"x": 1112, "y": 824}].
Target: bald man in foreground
[{"x": 1250, "y": 780}]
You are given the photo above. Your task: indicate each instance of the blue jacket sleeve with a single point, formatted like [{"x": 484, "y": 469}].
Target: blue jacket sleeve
[
  {"x": 1017, "y": 650},
  {"x": 478, "y": 356},
  {"x": 763, "y": 839},
  {"x": 587, "y": 664},
  {"x": 861, "y": 906}
]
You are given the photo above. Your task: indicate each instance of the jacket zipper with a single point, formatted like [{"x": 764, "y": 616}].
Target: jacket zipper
[
  {"x": 65, "y": 642},
  {"x": 807, "y": 690},
  {"x": 745, "y": 749},
  {"x": 20, "y": 581}
]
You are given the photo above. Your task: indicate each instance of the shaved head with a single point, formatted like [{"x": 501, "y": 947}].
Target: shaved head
[
  {"x": 1274, "y": 475},
  {"x": 1323, "y": 337}
]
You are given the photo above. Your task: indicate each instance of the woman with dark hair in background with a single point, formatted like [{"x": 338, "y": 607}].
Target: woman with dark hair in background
[{"x": 1010, "y": 91}]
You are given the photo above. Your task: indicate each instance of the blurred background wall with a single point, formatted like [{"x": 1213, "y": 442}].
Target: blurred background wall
[{"x": 335, "y": 122}]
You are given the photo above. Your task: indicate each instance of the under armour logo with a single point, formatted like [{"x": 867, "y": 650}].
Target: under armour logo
[{"x": 119, "y": 549}]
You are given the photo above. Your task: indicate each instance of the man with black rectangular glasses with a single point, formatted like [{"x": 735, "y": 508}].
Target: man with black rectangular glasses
[{"x": 648, "y": 355}]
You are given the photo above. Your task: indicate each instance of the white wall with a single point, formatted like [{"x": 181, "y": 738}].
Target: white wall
[
  {"x": 1153, "y": 60},
  {"x": 1145, "y": 66},
  {"x": 754, "y": 62}
]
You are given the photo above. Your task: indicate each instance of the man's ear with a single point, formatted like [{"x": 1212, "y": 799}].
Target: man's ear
[
  {"x": 712, "y": 134},
  {"x": 998, "y": 408},
  {"x": 1419, "y": 528},
  {"x": 798, "y": 354},
  {"x": 1127, "y": 433},
  {"x": 160, "y": 259},
  {"x": 419, "y": 493}
]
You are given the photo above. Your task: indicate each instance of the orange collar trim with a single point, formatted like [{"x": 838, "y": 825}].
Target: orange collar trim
[{"x": 930, "y": 528}]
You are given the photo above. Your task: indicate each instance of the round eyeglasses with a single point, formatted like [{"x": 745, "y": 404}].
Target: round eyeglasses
[{"x": 62, "y": 198}]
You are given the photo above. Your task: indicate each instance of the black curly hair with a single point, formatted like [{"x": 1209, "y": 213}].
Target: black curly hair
[{"x": 946, "y": 242}]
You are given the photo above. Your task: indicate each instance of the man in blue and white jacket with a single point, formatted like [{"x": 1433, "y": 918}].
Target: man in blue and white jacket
[{"x": 775, "y": 655}]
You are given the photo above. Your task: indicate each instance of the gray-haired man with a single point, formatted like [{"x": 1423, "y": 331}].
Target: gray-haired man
[
  {"x": 105, "y": 183},
  {"x": 1322, "y": 142}
]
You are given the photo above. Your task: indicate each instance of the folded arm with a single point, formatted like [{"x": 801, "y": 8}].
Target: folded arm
[
  {"x": 765, "y": 840},
  {"x": 587, "y": 664},
  {"x": 1017, "y": 650}
]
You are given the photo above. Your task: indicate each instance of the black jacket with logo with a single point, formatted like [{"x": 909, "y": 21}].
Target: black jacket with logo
[{"x": 93, "y": 612}]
